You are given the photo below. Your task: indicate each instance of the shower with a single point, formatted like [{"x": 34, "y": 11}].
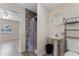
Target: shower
[{"x": 31, "y": 32}]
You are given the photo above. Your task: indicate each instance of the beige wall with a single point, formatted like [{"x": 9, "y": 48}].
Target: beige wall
[
  {"x": 17, "y": 8},
  {"x": 68, "y": 10},
  {"x": 14, "y": 35},
  {"x": 42, "y": 29},
  {"x": 45, "y": 28}
]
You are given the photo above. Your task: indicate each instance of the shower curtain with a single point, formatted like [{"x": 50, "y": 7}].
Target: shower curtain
[{"x": 30, "y": 47}]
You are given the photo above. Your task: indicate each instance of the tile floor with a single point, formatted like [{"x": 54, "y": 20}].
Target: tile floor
[
  {"x": 8, "y": 48},
  {"x": 28, "y": 54},
  {"x": 48, "y": 54}
]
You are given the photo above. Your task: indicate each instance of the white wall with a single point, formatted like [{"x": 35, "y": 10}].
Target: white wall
[
  {"x": 68, "y": 10},
  {"x": 42, "y": 29},
  {"x": 21, "y": 10}
]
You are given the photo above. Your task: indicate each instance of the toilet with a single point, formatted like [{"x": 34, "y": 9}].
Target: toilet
[{"x": 72, "y": 47}]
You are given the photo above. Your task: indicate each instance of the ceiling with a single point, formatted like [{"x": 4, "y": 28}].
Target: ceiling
[
  {"x": 51, "y": 5},
  {"x": 30, "y": 6},
  {"x": 33, "y": 6}
]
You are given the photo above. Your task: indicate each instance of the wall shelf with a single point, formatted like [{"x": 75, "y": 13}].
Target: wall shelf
[
  {"x": 72, "y": 37},
  {"x": 72, "y": 22},
  {"x": 72, "y": 29}
]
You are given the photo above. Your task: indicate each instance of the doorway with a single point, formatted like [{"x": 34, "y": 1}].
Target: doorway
[{"x": 31, "y": 32}]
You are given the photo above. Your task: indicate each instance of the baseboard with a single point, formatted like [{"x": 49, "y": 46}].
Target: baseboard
[
  {"x": 39, "y": 54},
  {"x": 42, "y": 53}
]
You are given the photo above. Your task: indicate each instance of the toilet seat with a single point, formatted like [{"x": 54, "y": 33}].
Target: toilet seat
[{"x": 70, "y": 53}]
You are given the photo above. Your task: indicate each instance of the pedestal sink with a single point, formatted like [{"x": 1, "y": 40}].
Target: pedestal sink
[{"x": 56, "y": 39}]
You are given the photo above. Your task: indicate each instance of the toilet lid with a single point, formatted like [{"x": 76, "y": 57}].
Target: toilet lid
[{"x": 70, "y": 53}]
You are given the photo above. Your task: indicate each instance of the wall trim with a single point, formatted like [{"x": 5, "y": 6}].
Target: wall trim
[{"x": 42, "y": 53}]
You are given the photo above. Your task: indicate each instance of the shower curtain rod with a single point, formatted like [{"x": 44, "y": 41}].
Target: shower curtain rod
[
  {"x": 34, "y": 17},
  {"x": 71, "y": 18}
]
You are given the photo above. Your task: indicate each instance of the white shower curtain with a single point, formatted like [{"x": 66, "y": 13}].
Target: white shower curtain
[{"x": 31, "y": 35}]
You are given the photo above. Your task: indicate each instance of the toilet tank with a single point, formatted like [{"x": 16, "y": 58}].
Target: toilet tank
[{"x": 73, "y": 45}]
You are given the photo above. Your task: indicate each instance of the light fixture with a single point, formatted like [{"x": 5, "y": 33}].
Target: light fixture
[{"x": 5, "y": 14}]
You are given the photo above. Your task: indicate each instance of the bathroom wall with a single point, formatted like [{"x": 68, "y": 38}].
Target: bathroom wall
[
  {"x": 13, "y": 35},
  {"x": 42, "y": 29},
  {"x": 21, "y": 10},
  {"x": 68, "y": 10}
]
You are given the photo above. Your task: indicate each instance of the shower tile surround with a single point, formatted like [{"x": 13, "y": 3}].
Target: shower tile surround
[
  {"x": 15, "y": 30},
  {"x": 9, "y": 40},
  {"x": 9, "y": 48}
]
